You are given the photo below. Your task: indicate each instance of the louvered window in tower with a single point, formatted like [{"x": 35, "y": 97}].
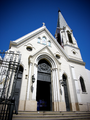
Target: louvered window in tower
[
  {"x": 69, "y": 37},
  {"x": 59, "y": 38}
]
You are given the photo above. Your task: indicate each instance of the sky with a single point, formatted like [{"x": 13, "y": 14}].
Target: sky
[{"x": 20, "y": 17}]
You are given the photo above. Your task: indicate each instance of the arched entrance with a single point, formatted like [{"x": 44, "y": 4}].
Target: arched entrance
[
  {"x": 66, "y": 92},
  {"x": 44, "y": 94}
]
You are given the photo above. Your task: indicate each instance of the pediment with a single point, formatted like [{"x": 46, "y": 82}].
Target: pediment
[{"x": 29, "y": 36}]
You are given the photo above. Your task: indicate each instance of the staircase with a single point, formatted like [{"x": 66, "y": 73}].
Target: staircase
[{"x": 51, "y": 115}]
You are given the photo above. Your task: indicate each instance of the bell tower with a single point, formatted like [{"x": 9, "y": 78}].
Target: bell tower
[{"x": 65, "y": 38}]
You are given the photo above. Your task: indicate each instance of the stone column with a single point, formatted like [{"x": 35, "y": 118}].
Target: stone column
[
  {"x": 31, "y": 105},
  {"x": 58, "y": 91},
  {"x": 54, "y": 88},
  {"x": 35, "y": 83},
  {"x": 29, "y": 80},
  {"x": 55, "y": 84}
]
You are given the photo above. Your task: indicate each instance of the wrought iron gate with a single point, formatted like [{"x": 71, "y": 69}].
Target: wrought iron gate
[{"x": 9, "y": 67}]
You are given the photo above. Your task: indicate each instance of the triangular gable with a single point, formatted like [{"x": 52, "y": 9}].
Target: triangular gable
[
  {"x": 28, "y": 36},
  {"x": 44, "y": 49}
]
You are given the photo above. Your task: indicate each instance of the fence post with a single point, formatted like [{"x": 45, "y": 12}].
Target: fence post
[{"x": 12, "y": 104}]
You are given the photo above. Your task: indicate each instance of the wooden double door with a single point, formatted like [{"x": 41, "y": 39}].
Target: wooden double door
[
  {"x": 44, "y": 92},
  {"x": 43, "y": 96}
]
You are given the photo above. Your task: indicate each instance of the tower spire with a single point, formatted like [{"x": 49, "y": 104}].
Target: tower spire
[
  {"x": 59, "y": 10},
  {"x": 61, "y": 21}
]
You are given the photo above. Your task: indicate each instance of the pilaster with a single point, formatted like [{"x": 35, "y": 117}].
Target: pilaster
[
  {"x": 29, "y": 80},
  {"x": 35, "y": 83}
]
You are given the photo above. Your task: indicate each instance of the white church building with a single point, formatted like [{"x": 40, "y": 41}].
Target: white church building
[{"x": 54, "y": 77}]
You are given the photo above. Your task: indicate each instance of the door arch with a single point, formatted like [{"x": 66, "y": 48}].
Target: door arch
[
  {"x": 44, "y": 94},
  {"x": 66, "y": 95}
]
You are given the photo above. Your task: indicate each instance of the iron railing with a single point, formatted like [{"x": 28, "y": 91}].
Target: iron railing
[{"x": 9, "y": 67}]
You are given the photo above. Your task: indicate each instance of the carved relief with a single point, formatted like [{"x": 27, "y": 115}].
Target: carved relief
[{"x": 43, "y": 67}]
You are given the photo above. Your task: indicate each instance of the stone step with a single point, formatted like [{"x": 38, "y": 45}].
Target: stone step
[
  {"x": 83, "y": 115},
  {"x": 27, "y": 115},
  {"x": 51, "y": 113},
  {"x": 54, "y": 112},
  {"x": 54, "y": 118}
]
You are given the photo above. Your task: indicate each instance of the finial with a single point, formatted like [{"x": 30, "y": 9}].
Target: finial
[
  {"x": 59, "y": 10},
  {"x": 43, "y": 24}
]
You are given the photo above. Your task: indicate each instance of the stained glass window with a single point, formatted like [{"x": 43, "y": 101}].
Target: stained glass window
[
  {"x": 44, "y": 40},
  {"x": 39, "y": 40},
  {"x": 49, "y": 43}
]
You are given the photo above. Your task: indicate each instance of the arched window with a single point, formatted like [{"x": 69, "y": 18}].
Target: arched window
[
  {"x": 49, "y": 43},
  {"x": 82, "y": 85},
  {"x": 69, "y": 37},
  {"x": 39, "y": 40},
  {"x": 64, "y": 77},
  {"x": 44, "y": 40}
]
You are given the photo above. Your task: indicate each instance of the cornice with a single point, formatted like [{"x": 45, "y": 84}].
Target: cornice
[
  {"x": 71, "y": 46},
  {"x": 76, "y": 61},
  {"x": 26, "y": 37}
]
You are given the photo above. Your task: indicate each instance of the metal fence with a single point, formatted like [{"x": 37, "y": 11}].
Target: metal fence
[{"x": 9, "y": 67}]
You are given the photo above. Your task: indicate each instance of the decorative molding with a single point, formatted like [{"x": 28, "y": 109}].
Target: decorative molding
[
  {"x": 71, "y": 46},
  {"x": 43, "y": 67},
  {"x": 28, "y": 44},
  {"x": 76, "y": 61},
  {"x": 54, "y": 69},
  {"x": 46, "y": 54},
  {"x": 31, "y": 63},
  {"x": 35, "y": 64}
]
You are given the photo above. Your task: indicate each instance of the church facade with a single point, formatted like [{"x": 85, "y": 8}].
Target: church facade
[{"x": 54, "y": 77}]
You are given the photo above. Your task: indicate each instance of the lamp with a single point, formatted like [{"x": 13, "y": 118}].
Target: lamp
[
  {"x": 33, "y": 79},
  {"x": 62, "y": 82}
]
